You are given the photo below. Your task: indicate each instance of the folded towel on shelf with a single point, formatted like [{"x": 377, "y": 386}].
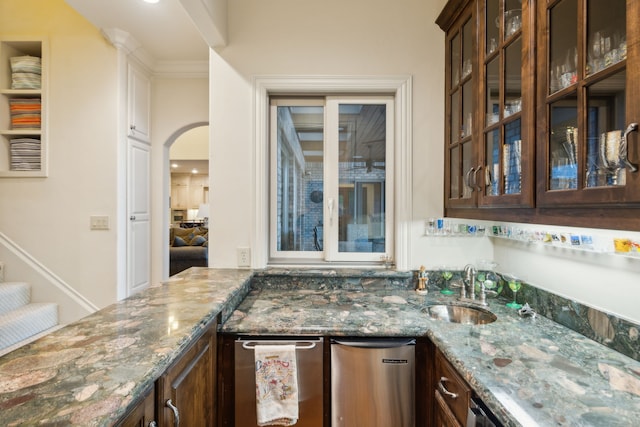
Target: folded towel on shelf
[
  {"x": 276, "y": 385},
  {"x": 25, "y": 113},
  {"x": 26, "y": 64},
  {"x": 25, "y": 154}
]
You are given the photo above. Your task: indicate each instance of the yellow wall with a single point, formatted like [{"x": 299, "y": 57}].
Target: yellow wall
[{"x": 49, "y": 217}]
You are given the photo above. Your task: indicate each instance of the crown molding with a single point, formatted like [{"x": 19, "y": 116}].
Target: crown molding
[
  {"x": 169, "y": 69},
  {"x": 181, "y": 69}
]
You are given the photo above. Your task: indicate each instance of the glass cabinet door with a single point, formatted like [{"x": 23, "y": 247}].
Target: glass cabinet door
[
  {"x": 461, "y": 114},
  {"x": 506, "y": 145},
  {"x": 589, "y": 102}
]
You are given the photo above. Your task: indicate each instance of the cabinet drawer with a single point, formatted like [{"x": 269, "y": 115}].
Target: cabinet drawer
[
  {"x": 454, "y": 390},
  {"x": 443, "y": 415}
]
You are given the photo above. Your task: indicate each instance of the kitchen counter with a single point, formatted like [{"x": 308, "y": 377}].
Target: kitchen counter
[
  {"x": 530, "y": 371},
  {"x": 90, "y": 373}
]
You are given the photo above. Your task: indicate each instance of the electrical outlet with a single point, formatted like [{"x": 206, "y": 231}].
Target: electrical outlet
[
  {"x": 244, "y": 257},
  {"x": 99, "y": 222}
]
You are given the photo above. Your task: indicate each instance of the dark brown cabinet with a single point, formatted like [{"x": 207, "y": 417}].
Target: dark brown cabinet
[
  {"x": 506, "y": 132},
  {"x": 186, "y": 393},
  {"x": 489, "y": 101},
  {"x": 588, "y": 102},
  {"x": 187, "y": 390},
  {"x": 143, "y": 415},
  {"x": 461, "y": 172},
  {"x": 541, "y": 111},
  {"x": 452, "y": 394}
]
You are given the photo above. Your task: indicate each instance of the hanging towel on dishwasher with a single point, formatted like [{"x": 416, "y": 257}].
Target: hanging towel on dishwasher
[{"x": 276, "y": 385}]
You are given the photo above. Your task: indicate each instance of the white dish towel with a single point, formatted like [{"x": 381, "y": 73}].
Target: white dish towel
[{"x": 276, "y": 385}]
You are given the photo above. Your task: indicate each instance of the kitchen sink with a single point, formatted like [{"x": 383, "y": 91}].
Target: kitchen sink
[{"x": 460, "y": 314}]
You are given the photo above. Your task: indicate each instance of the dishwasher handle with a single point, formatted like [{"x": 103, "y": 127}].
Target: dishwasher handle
[
  {"x": 375, "y": 343},
  {"x": 300, "y": 345}
]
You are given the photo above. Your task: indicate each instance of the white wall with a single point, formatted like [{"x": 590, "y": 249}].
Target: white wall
[
  {"x": 49, "y": 217},
  {"x": 606, "y": 281},
  {"x": 288, "y": 37},
  {"x": 365, "y": 37},
  {"x": 178, "y": 104},
  {"x": 193, "y": 144}
]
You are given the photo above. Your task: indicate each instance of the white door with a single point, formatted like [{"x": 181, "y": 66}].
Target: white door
[
  {"x": 139, "y": 93},
  {"x": 138, "y": 214}
]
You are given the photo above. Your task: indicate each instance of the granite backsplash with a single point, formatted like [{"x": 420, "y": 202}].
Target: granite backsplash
[{"x": 607, "y": 329}]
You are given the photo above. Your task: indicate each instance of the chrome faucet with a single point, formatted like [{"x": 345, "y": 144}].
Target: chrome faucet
[{"x": 469, "y": 281}]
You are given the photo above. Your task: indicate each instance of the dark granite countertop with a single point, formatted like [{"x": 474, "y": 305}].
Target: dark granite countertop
[
  {"x": 89, "y": 373},
  {"x": 530, "y": 371}
]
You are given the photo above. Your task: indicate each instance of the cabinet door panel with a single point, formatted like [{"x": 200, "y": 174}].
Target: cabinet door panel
[
  {"x": 506, "y": 146},
  {"x": 461, "y": 112},
  {"x": 588, "y": 99},
  {"x": 139, "y": 93},
  {"x": 143, "y": 414},
  {"x": 189, "y": 385}
]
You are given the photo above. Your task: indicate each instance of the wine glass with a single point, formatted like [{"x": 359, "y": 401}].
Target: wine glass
[
  {"x": 514, "y": 284},
  {"x": 446, "y": 275},
  {"x": 481, "y": 278},
  {"x": 486, "y": 275}
]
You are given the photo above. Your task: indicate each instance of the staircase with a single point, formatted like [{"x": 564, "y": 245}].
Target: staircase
[{"x": 22, "y": 321}]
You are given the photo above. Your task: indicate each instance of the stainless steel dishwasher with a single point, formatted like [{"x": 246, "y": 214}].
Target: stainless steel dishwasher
[
  {"x": 373, "y": 382},
  {"x": 309, "y": 353}
]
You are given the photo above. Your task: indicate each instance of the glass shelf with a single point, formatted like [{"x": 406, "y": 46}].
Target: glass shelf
[{"x": 563, "y": 239}]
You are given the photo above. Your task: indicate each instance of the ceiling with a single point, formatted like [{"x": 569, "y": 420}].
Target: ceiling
[
  {"x": 187, "y": 166},
  {"x": 164, "y": 30}
]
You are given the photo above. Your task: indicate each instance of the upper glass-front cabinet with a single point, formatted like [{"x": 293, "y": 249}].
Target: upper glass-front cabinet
[
  {"x": 490, "y": 106},
  {"x": 506, "y": 144},
  {"x": 460, "y": 104},
  {"x": 589, "y": 103}
]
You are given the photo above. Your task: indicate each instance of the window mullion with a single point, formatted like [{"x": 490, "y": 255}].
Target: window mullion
[{"x": 331, "y": 201}]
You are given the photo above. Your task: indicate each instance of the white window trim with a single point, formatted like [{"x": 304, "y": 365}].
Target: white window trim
[{"x": 399, "y": 86}]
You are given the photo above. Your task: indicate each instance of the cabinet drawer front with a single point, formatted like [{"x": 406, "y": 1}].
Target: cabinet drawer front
[
  {"x": 444, "y": 417},
  {"x": 453, "y": 389}
]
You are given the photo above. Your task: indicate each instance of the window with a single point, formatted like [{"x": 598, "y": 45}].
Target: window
[{"x": 331, "y": 186}]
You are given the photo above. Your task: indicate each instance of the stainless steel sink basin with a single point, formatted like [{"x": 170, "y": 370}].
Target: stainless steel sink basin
[{"x": 461, "y": 314}]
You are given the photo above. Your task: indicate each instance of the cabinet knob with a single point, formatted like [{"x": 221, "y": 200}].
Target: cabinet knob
[
  {"x": 132, "y": 217},
  {"x": 176, "y": 413},
  {"x": 153, "y": 424},
  {"x": 132, "y": 127}
]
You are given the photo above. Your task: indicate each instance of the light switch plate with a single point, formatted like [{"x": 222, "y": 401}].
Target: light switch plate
[{"x": 99, "y": 222}]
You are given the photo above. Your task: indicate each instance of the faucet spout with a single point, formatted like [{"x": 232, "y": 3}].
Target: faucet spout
[{"x": 469, "y": 280}]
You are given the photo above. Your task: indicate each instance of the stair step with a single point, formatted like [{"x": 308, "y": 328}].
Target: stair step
[
  {"x": 14, "y": 295},
  {"x": 26, "y": 341},
  {"x": 26, "y": 321}
]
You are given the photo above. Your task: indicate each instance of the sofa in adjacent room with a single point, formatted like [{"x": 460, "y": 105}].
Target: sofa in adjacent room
[{"x": 188, "y": 247}]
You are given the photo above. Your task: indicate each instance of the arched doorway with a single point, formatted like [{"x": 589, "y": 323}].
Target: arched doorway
[{"x": 187, "y": 169}]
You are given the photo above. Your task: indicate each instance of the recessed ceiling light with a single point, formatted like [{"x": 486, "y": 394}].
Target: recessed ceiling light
[
  {"x": 194, "y": 170},
  {"x": 174, "y": 165},
  {"x": 151, "y": 1}
]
